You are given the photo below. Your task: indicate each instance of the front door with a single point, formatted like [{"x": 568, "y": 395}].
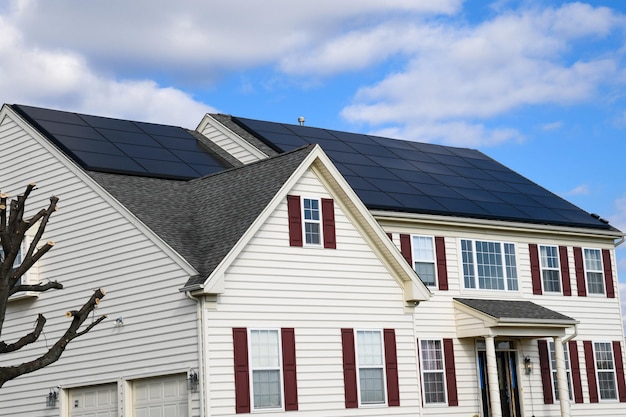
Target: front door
[{"x": 506, "y": 359}]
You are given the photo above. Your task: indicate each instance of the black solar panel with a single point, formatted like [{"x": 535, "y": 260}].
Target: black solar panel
[
  {"x": 391, "y": 174},
  {"x": 124, "y": 146}
]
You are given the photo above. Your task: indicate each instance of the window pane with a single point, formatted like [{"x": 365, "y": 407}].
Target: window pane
[
  {"x": 511, "y": 268},
  {"x": 434, "y": 391},
  {"x": 595, "y": 282},
  {"x": 311, "y": 209},
  {"x": 606, "y": 370},
  {"x": 593, "y": 268},
  {"x": 264, "y": 348},
  {"x": 468, "y": 263},
  {"x": 266, "y": 388},
  {"x": 489, "y": 266},
  {"x": 432, "y": 358},
  {"x": 312, "y": 233},
  {"x": 426, "y": 272},
  {"x": 370, "y": 348},
  {"x": 371, "y": 383}
]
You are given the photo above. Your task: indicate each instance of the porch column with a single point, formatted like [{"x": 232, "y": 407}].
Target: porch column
[
  {"x": 561, "y": 377},
  {"x": 492, "y": 377}
]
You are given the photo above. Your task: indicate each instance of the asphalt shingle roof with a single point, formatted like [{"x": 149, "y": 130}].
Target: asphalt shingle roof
[
  {"x": 203, "y": 219},
  {"x": 514, "y": 309}
]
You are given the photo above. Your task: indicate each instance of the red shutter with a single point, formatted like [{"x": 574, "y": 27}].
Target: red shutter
[
  {"x": 295, "y": 220},
  {"x": 448, "y": 354},
  {"x": 442, "y": 267},
  {"x": 591, "y": 371},
  {"x": 390, "y": 236},
  {"x": 391, "y": 368},
  {"x": 574, "y": 364},
  {"x": 535, "y": 270},
  {"x": 289, "y": 369},
  {"x": 565, "y": 278},
  {"x": 546, "y": 375},
  {"x": 580, "y": 272},
  {"x": 328, "y": 223},
  {"x": 619, "y": 370},
  {"x": 242, "y": 381},
  {"x": 405, "y": 248},
  {"x": 608, "y": 273},
  {"x": 349, "y": 368}
]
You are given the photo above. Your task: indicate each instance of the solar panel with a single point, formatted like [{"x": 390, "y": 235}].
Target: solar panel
[
  {"x": 445, "y": 180},
  {"x": 124, "y": 146}
]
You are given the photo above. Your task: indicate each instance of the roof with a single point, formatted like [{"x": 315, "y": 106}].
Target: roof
[
  {"x": 204, "y": 218},
  {"x": 514, "y": 310},
  {"x": 404, "y": 176},
  {"x": 386, "y": 174}
]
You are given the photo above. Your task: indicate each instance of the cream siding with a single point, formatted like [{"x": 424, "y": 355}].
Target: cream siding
[
  {"x": 317, "y": 292},
  {"x": 229, "y": 142},
  {"x": 96, "y": 246},
  {"x": 599, "y": 316}
]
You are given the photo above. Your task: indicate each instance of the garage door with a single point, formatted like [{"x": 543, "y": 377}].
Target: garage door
[
  {"x": 94, "y": 401},
  {"x": 161, "y": 397}
]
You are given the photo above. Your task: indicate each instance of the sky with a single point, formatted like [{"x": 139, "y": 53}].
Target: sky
[{"x": 538, "y": 85}]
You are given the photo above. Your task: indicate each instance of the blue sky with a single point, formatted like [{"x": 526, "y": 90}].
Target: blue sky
[{"x": 537, "y": 85}]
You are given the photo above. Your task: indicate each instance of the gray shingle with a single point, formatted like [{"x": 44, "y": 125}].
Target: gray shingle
[{"x": 514, "y": 309}]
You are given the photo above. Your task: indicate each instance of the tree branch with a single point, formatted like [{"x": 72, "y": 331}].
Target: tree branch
[
  {"x": 54, "y": 353},
  {"x": 41, "y": 287},
  {"x": 26, "y": 340}
]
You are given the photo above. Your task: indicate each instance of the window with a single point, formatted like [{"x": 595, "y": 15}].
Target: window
[
  {"x": 553, "y": 371},
  {"x": 489, "y": 265},
  {"x": 550, "y": 270},
  {"x": 593, "y": 271},
  {"x": 312, "y": 221},
  {"x": 433, "y": 371},
  {"x": 605, "y": 370},
  {"x": 424, "y": 259},
  {"x": 265, "y": 369},
  {"x": 370, "y": 365}
]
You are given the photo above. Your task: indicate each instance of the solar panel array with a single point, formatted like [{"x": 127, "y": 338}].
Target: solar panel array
[
  {"x": 390, "y": 174},
  {"x": 123, "y": 146}
]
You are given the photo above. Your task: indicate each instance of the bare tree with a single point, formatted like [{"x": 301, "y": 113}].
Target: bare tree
[{"x": 13, "y": 228}]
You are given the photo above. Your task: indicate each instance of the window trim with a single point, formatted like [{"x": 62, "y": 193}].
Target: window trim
[
  {"x": 442, "y": 371},
  {"x": 613, "y": 371},
  {"x": 280, "y": 369},
  {"x": 503, "y": 267},
  {"x": 601, "y": 271},
  {"x": 558, "y": 269},
  {"x": 318, "y": 222},
  {"x": 382, "y": 368},
  {"x": 415, "y": 259}
]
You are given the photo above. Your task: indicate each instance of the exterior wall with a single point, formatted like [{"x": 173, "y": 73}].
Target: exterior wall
[
  {"x": 599, "y": 316},
  {"x": 317, "y": 292},
  {"x": 96, "y": 247},
  {"x": 237, "y": 150}
]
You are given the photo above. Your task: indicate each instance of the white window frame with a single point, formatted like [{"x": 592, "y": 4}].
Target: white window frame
[
  {"x": 612, "y": 371},
  {"x": 317, "y": 222},
  {"x": 594, "y": 271},
  {"x": 253, "y": 368},
  {"x": 360, "y": 366},
  {"x": 441, "y": 371},
  {"x": 568, "y": 371},
  {"x": 419, "y": 258},
  {"x": 507, "y": 274},
  {"x": 544, "y": 268},
  {"x": 30, "y": 277}
]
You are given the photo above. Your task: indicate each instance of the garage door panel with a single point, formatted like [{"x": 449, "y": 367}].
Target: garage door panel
[
  {"x": 161, "y": 397},
  {"x": 94, "y": 401}
]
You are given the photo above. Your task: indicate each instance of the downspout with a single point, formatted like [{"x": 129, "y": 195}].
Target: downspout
[{"x": 200, "y": 303}]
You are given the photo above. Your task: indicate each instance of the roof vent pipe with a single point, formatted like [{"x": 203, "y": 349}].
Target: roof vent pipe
[{"x": 301, "y": 120}]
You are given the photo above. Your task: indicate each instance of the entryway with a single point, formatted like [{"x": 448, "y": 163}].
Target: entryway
[{"x": 506, "y": 359}]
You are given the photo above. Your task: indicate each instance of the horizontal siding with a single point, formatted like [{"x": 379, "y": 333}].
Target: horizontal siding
[
  {"x": 317, "y": 292},
  {"x": 229, "y": 145},
  {"x": 95, "y": 247}
]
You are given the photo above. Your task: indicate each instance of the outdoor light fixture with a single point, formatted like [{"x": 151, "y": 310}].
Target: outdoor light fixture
[
  {"x": 528, "y": 365},
  {"x": 53, "y": 396},
  {"x": 192, "y": 381}
]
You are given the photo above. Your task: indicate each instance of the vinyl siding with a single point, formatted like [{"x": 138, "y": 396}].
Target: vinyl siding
[
  {"x": 317, "y": 292},
  {"x": 96, "y": 246},
  {"x": 227, "y": 143},
  {"x": 599, "y": 317}
]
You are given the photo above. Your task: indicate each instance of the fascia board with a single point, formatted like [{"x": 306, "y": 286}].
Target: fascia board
[{"x": 7, "y": 111}]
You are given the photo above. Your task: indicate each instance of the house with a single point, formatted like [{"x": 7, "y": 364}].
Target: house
[{"x": 258, "y": 267}]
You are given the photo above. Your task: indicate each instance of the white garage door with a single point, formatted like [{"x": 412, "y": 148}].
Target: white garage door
[
  {"x": 161, "y": 397},
  {"x": 94, "y": 401}
]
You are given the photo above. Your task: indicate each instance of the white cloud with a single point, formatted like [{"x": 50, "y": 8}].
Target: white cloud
[
  {"x": 457, "y": 73},
  {"x": 582, "y": 189}
]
